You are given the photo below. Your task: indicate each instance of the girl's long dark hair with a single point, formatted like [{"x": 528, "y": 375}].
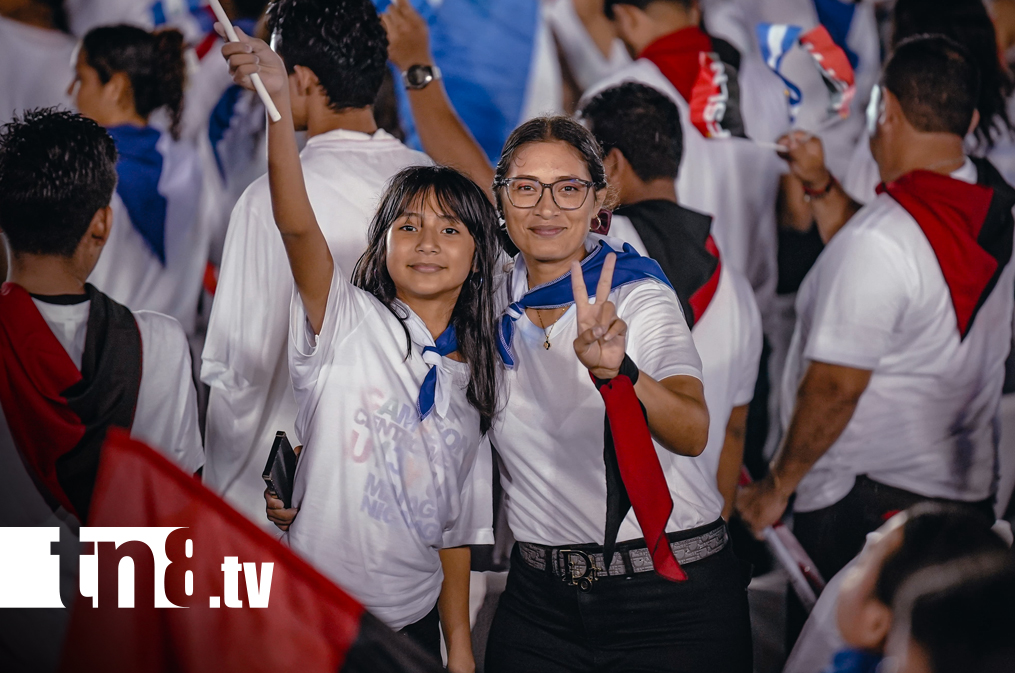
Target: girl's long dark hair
[
  {"x": 153, "y": 62},
  {"x": 474, "y": 316}
]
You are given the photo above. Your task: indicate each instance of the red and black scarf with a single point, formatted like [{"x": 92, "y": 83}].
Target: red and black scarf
[
  {"x": 679, "y": 239},
  {"x": 703, "y": 69},
  {"x": 968, "y": 226},
  {"x": 58, "y": 416}
]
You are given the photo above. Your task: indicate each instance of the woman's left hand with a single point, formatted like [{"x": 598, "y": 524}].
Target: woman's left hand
[{"x": 602, "y": 336}]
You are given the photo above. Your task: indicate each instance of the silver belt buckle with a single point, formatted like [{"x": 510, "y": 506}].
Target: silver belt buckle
[{"x": 584, "y": 580}]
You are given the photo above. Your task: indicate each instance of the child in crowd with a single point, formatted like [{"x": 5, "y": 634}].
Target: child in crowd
[
  {"x": 395, "y": 380},
  {"x": 923, "y": 536},
  {"x": 957, "y": 618},
  {"x": 74, "y": 361}
]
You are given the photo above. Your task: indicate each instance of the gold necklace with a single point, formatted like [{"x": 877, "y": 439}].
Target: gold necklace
[{"x": 546, "y": 333}]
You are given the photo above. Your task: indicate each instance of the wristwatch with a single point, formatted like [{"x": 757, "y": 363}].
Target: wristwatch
[{"x": 418, "y": 76}]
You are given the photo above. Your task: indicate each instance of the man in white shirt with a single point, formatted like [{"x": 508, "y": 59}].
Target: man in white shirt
[
  {"x": 897, "y": 362},
  {"x": 337, "y": 54},
  {"x": 639, "y": 130},
  {"x": 75, "y": 362},
  {"x": 729, "y": 177}
]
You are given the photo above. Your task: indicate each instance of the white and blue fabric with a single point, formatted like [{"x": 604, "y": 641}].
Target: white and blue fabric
[
  {"x": 434, "y": 393},
  {"x": 138, "y": 171},
  {"x": 775, "y": 40},
  {"x": 630, "y": 267}
]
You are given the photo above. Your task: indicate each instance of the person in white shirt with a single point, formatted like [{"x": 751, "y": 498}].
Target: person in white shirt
[
  {"x": 729, "y": 177},
  {"x": 36, "y": 52},
  {"x": 904, "y": 323},
  {"x": 638, "y": 129},
  {"x": 75, "y": 362},
  {"x": 567, "y": 469},
  {"x": 156, "y": 252},
  {"x": 336, "y": 53},
  {"x": 396, "y": 382}
]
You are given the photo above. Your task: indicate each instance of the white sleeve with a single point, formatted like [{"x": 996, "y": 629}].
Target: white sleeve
[
  {"x": 658, "y": 339},
  {"x": 751, "y": 342},
  {"x": 861, "y": 294},
  {"x": 166, "y": 413},
  {"x": 309, "y": 352},
  {"x": 247, "y": 330},
  {"x": 474, "y": 524}
]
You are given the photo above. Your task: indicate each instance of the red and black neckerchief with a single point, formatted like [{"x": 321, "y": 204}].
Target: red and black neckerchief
[
  {"x": 58, "y": 416},
  {"x": 679, "y": 239},
  {"x": 969, "y": 227}
]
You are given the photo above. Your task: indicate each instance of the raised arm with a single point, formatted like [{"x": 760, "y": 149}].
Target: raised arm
[
  {"x": 443, "y": 135},
  {"x": 309, "y": 257}
]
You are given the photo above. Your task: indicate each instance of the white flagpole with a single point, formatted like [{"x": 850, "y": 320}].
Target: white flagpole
[{"x": 269, "y": 105}]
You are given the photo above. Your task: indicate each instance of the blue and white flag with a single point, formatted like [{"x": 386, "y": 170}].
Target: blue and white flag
[
  {"x": 484, "y": 49},
  {"x": 775, "y": 41}
]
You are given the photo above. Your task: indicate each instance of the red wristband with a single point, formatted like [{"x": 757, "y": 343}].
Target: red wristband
[{"x": 818, "y": 193}]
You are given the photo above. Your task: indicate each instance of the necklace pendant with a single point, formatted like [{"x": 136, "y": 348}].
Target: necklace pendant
[{"x": 546, "y": 343}]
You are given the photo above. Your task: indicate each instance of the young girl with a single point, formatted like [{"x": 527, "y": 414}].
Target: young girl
[
  {"x": 156, "y": 255},
  {"x": 395, "y": 383},
  {"x": 622, "y": 561}
]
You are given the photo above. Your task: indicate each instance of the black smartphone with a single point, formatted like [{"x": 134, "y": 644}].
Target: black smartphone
[{"x": 280, "y": 469}]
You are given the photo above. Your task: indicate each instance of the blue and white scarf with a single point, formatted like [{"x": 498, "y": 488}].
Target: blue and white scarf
[
  {"x": 435, "y": 392},
  {"x": 631, "y": 267}
]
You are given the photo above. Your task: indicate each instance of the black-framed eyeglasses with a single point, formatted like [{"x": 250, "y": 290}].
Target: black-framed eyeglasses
[{"x": 569, "y": 194}]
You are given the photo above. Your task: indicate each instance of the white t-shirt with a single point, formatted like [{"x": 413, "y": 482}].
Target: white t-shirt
[
  {"x": 876, "y": 299},
  {"x": 586, "y": 62},
  {"x": 732, "y": 179},
  {"x": 380, "y": 492},
  {"x": 36, "y": 68},
  {"x": 549, "y": 433},
  {"x": 728, "y": 339},
  {"x": 130, "y": 273},
  {"x": 244, "y": 358}
]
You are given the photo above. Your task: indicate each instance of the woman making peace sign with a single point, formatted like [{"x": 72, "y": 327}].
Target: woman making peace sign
[{"x": 622, "y": 561}]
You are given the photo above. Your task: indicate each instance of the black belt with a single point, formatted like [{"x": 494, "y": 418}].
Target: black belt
[{"x": 581, "y": 565}]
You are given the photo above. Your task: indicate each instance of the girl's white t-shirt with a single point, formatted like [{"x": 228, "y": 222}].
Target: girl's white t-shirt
[
  {"x": 380, "y": 492},
  {"x": 549, "y": 433}
]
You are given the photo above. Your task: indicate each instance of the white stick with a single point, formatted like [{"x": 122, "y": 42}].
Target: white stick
[{"x": 269, "y": 105}]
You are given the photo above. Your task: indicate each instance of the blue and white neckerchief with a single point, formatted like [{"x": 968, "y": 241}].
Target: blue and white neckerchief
[
  {"x": 630, "y": 268},
  {"x": 138, "y": 171},
  {"x": 435, "y": 392}
]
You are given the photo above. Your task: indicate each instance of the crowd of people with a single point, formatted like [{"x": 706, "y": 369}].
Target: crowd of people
[{"x": 699, "y": 293}]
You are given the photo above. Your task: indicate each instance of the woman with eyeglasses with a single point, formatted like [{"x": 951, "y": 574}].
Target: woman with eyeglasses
[{"x": 622, "y": 561}]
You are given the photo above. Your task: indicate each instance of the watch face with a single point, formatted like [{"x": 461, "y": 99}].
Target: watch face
[{"x": 419, "y": 75}]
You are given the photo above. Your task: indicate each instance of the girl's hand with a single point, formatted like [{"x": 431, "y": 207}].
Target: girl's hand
[
  {"x": 277, "y": 513},
  {"x": 251, "y": 55},
  {"x": 601, "y": 340}
]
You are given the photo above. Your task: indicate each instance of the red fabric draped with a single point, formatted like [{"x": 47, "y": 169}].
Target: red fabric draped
[{"x": 951, "y": 214}]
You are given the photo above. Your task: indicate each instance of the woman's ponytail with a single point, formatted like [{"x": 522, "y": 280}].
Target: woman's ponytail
[
  {"x": 171, "y": 70},
  {"x": 153, "y": 62}
]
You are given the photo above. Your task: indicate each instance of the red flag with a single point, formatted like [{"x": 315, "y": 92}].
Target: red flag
[{"x": 308, "y": 624}]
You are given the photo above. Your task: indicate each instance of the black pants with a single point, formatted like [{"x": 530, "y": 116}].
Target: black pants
[
  {"x": 832, "y": 536},
  {"x": 426, "y": 633},
  {"x": 639, "y": 623}
]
